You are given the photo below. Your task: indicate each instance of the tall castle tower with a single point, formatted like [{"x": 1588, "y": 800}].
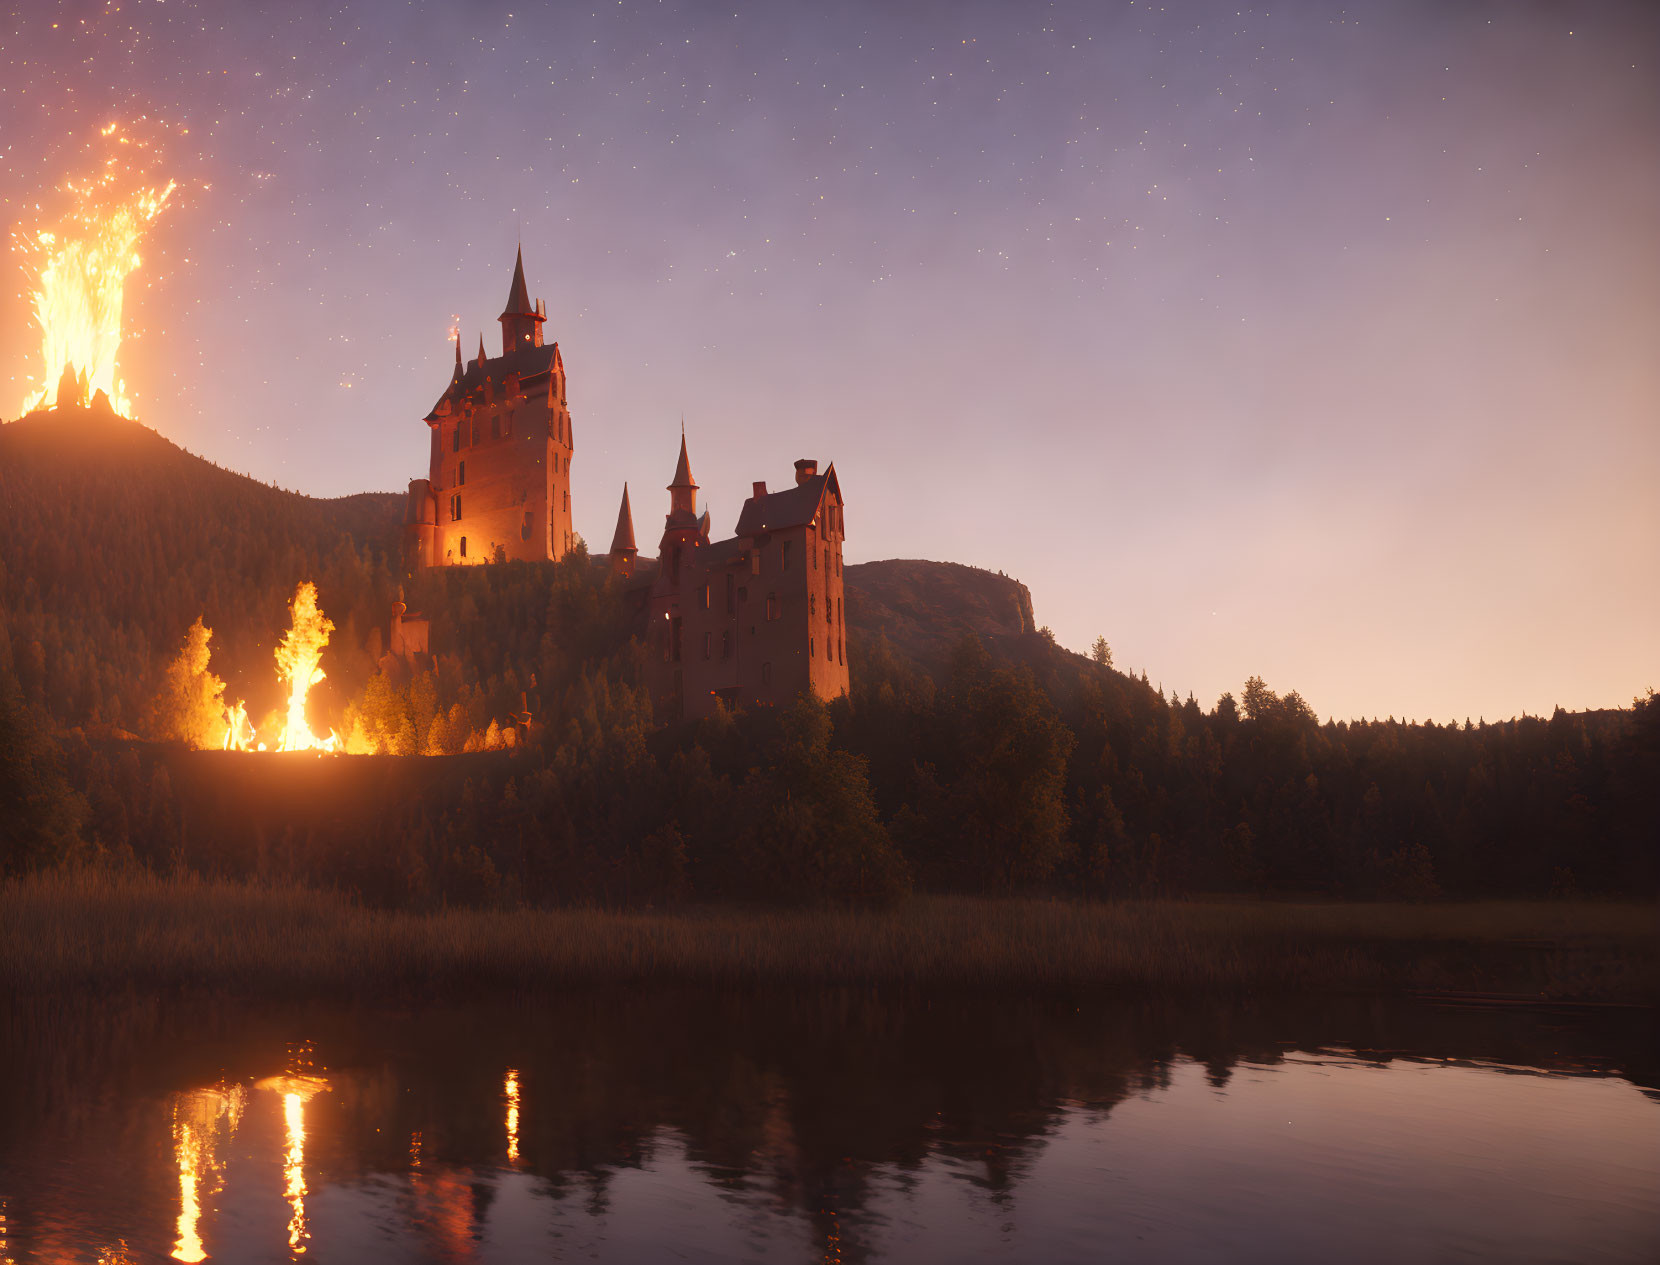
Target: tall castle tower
[{"x": 499, "y": 478}]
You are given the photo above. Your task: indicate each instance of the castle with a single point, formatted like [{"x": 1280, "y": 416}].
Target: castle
[{"x": 752, "y": 620}]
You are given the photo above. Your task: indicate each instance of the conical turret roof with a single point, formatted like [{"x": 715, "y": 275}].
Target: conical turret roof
[
  {"x": 518, "y": 296},
  {"x": 623, "y": 539},
  {"x": 683, "y": 470}
]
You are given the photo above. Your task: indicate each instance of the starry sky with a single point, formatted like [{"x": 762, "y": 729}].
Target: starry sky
[{"x": 1314, "y": 341}]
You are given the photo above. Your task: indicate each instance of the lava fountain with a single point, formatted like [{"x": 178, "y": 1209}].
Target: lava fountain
[
  {"x": 78, "y": 271},
  {"x": 299, "y": 666}
]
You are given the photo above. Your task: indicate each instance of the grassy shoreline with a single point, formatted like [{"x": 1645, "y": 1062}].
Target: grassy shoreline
[{"x": 77, "y": 932}]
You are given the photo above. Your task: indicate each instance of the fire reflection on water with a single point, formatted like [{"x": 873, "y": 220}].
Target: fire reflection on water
[
  {"x": 197, "y": 1120},
  {"x": 510, "y": 1091},
  {"x": 296, "y": 1091},
  {"x": 293, "y": 1110}
]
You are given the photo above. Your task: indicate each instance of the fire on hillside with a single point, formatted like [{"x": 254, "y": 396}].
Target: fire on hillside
[
  {"x": 201, "y": 714},
  {"x": 78, "y": 269}
]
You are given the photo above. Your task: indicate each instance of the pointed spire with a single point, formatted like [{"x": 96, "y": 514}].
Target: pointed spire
[
  {"x": 481, "y": 349},
  {"x": 458, "y": 345},
  {"x": 622, "y": 541},
  {"x": 683, "y": 470},
  {"x": 518, "y": 296}
]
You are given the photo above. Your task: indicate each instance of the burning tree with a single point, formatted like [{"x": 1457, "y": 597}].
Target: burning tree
[
  {"x": 192, "y": 703},
  {"x": 299, "y": 666}
]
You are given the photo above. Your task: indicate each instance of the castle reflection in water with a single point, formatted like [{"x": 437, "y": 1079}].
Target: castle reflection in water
[{"x": 830, "y": 1127}]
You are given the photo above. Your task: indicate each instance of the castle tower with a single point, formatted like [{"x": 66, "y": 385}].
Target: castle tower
[
  {"x": 683, "y": 530},
  {"x": 521, "y": 323},
  {"x": 683, "y": 491},
  {"x": 623, "y": 552},
  {"x": 498, "y": 487}
]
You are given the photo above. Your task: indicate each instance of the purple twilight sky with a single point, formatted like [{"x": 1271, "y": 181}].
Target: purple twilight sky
[{"x": 1314, "y": 341}]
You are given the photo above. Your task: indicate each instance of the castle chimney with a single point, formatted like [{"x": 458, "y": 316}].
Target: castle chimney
[
  {"x": 806, "y": 468},
  {"x": 760, "y": 488}
]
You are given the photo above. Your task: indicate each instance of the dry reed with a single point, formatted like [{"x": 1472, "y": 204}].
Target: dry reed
[{"x": 78, "y": 931}]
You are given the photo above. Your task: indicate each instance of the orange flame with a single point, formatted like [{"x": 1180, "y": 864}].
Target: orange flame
[
  {"x": 78, "y": 273},
  {"x": 299, "y": 665},
  {"x": 239, "y": 731}
]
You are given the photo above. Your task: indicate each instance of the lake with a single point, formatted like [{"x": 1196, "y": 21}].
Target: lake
[{"x": 840, "y": 1126}]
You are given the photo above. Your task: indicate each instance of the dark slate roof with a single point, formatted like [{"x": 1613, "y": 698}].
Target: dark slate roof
[
  {"x": 527, "y": 362},
  {"x": 793, "y": 507},
  {"x": 722, "y": 552}
]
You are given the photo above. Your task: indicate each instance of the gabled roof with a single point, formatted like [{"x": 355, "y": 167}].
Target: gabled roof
[
  {"x": 793, "y": 507},
  {"x": 623, "y": 538}
]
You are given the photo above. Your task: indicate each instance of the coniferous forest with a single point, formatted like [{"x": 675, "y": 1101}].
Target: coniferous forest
[{"x": 978, "y": 757}]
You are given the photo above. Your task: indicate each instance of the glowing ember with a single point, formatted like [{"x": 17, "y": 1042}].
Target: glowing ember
[
  {"x": 78, "y": 272},
  {"x": 299, "y": 659}
]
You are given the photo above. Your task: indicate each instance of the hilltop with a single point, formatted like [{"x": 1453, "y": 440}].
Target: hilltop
[{"x": 924, "y": 608}]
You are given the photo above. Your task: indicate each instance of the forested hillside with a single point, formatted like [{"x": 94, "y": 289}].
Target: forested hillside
[
  {"x": 113, "y": 540},
  {"x": 974, "y": 754}
]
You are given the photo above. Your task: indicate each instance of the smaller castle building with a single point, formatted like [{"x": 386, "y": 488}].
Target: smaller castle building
[{"x": 754, "y": 619}]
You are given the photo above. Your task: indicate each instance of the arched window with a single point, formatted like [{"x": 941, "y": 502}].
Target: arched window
[{"x": 463, "y": 546}]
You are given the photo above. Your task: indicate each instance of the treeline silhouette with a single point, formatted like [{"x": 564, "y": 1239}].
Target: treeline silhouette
[{"x": 1005, "y": 764}]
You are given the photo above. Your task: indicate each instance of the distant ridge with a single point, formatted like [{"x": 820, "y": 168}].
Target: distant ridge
[{"x": 924, "y": 608}]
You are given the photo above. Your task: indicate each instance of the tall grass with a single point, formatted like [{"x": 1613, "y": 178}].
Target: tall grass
[{"x": 91, "y": 931}]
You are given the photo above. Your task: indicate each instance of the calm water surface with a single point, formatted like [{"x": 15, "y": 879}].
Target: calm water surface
[{"x": 838, "y": 1127}]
